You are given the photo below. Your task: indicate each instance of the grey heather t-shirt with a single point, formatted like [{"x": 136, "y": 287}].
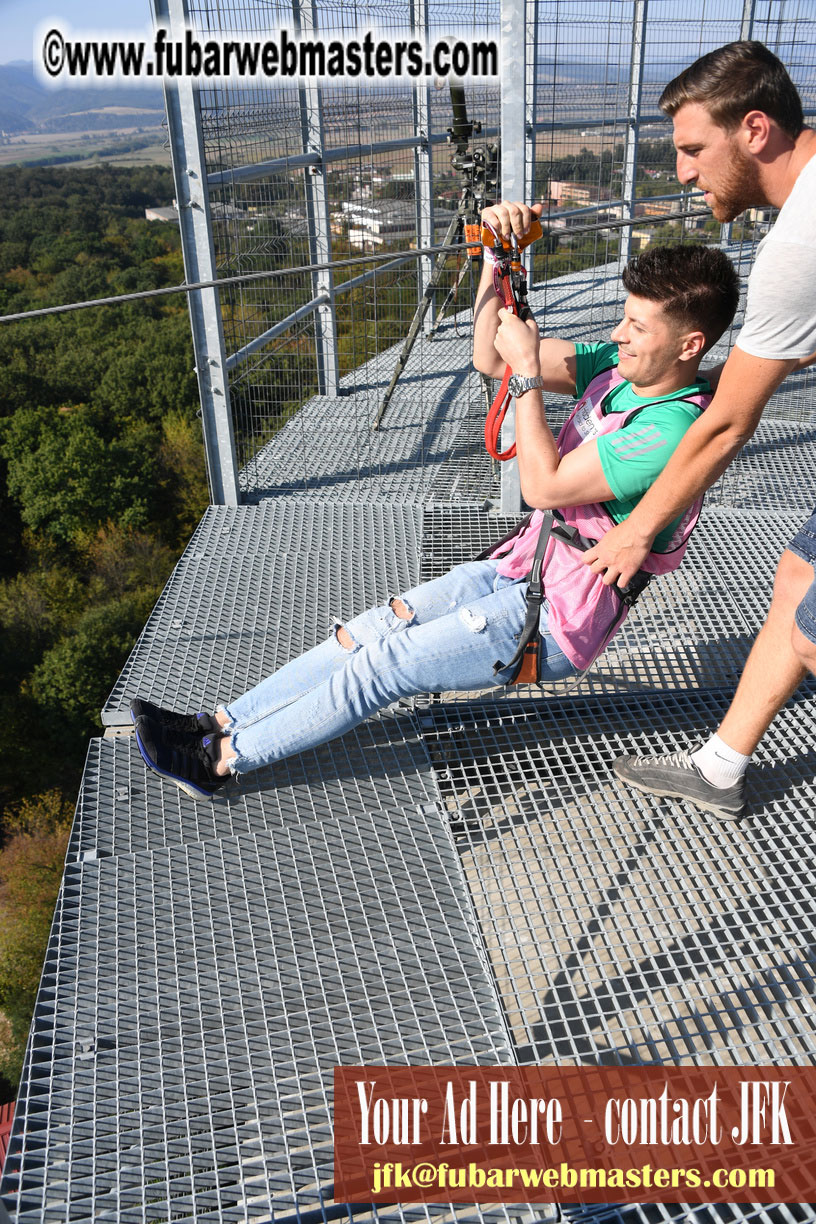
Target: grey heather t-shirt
[{"x": 780, "y": 315}]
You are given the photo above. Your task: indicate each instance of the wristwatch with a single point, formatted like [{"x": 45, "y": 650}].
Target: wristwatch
[{"x": 518, "y": 385}]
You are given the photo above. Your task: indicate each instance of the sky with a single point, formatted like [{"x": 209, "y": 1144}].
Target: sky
[{"x": 20, "y": 18}]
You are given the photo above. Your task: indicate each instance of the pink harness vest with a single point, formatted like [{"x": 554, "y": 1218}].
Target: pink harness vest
[{"x": 583, "y": 613}]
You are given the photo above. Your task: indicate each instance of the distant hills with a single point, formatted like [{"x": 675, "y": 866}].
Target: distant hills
[{"x": 26, "y": 106}]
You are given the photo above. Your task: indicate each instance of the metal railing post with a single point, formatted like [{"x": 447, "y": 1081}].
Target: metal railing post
[
  {"x": 516, "y": 160},
  {"x": 423, "y": 165},
  {"x": 189, "y": 174},
  {"x": 317, "y": 213},
  {"x": 746, "y": 31},
  {"x": 629, "y": 184}
]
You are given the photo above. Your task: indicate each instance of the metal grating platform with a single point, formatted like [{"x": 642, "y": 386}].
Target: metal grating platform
[
  {"x": 255, "y": 587},
  {"x": 693, "y": 627},
  {"x": 621, "y": 928},
  {"x": 395, "y": 462},
  {"x": 471, "y": 886},
  {"x": 123, "y": 807},
  {"x": 195, "y": 1000},
  {"x": 719, "y": 1213},
  {"x": 774, "y": 470}
]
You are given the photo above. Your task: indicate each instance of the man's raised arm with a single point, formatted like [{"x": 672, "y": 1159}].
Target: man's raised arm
[
  {"x": 744, "y": 388},
  {"x": 556, "y": 357}
]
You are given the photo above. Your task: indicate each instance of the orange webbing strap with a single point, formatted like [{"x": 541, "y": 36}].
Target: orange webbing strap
[{"x": 495, "y": 419}]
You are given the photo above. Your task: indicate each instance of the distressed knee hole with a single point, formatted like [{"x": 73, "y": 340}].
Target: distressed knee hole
[
  {"x": 401, "y": 609},
  {"x": 474, "y": 621},
  {"x": 344, "y": 637}
]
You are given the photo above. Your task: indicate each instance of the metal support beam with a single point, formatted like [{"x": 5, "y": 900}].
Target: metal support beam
[
  {"x": 317, "y": 212},
  {"x": 746, "y": 31},
  {"x": 516, "y": 177},
  {"x": 629, "y": 185},
  {"x": 423, "y": 165},
  {"x": 261, "y": 170},
  {"x": 530, "y": 111},
  {"x": 747, "y": 24},
  {"x": 189, "y": 173},
  {"x": 272, "y": 333}
]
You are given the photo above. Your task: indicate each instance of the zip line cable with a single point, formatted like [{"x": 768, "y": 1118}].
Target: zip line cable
[{"x": 340, "y": 263}]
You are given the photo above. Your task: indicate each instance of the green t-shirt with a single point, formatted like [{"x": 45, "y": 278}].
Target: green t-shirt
[{"x": 633, "y": 457}]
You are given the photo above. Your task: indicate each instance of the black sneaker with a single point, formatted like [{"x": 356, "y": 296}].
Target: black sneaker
[
  {"x": 674, "y": 775},
  {"x": 197, "y": 724},
  {"x": 191, "y": 767}
]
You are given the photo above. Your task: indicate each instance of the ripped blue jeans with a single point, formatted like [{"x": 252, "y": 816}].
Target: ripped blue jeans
[{"x": 458, "y": 627}]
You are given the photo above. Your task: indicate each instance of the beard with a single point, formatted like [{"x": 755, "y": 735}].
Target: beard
[{"x": 739, "y": 187}]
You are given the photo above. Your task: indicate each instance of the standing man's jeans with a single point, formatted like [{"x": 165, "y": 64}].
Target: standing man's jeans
[{"x": 459, "y": 626}]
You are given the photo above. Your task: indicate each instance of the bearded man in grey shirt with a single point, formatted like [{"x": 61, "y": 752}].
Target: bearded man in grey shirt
[{"x": 739, "y": 134}]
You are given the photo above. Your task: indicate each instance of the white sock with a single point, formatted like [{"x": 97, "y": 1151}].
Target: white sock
[{"x": 719, "y": 764}]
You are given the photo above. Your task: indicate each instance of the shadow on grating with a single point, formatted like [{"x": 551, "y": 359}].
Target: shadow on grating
[
  {"x": 714, "y": 1213},
  {"x": 257, "y": 586},
  {"x": 772, "y": 472},
  {"x": 621, "y": 928},
  {"x": 691, "y": 628},
  {"x": 196, "y": 999},
  {"x": 396, "y": 462},
  {"x": 124, "y": 807}
]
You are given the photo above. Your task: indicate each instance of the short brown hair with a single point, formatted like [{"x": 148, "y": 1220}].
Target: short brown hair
[
  {"x": 696, "y": 285},
  {"x": 733, "y": 80}
]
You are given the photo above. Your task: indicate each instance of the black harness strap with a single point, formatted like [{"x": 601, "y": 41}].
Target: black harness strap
[
  {"x": 525, "y": 662},
  {"x": 511, "y": 535}
]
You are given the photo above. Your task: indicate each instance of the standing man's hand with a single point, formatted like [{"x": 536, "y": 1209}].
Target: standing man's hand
[{"x": 620, "y": 554}]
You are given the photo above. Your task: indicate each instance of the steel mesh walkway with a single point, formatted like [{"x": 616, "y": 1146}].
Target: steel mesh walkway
[
  {"x": 465, "y": 883},
  {"x": 123, "y": 807},
  {"x": 622, "y": 928},
  {"x": 196, "y": 999},
  {"x": 258, "y": 585}
]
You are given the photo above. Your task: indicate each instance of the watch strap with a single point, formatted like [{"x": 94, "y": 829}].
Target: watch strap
[{"x": 519, "y": 385}]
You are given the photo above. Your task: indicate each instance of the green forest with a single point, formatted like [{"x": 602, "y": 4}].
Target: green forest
[{"x": 103, "y": 480}]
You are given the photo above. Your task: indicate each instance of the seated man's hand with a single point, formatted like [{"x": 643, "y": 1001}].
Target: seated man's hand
[
  {"x": 619, "y": 555},
  {"x": 518, "y": 344},
  {"x": 511, "y": 218}
]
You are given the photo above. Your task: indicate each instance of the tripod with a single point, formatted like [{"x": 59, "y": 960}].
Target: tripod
[{"x": 478, "y": 178}]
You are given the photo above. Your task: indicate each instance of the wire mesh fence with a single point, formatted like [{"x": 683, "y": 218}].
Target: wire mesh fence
[{"x": 308, "y": 177}]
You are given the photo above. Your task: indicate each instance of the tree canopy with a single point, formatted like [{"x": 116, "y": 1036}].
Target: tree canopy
[{"x": 103, "y": 481}]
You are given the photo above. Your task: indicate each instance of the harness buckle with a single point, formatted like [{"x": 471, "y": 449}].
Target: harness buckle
[{"x": 632, "y": 592}]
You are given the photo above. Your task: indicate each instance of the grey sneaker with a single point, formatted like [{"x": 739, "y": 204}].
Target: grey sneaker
[{"x": 674, "y": 775}]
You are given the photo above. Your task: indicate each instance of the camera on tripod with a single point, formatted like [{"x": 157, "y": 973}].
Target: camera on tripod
[
  {"x": 478, "y": 171},
  {"x": 478, "y": 168}
]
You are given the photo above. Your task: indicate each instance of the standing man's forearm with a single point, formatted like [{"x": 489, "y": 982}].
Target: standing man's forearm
[{"x": 708, "y": 447}]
